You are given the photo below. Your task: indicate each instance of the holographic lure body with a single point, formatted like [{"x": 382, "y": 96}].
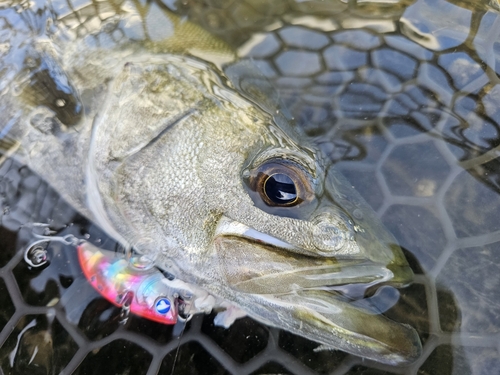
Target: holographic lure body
[{"x": 142, "y": 290}]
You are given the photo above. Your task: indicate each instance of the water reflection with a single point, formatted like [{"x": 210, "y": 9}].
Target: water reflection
[
  {"x": 430, "y": 67},
  {"x": 404, "y": 98}
]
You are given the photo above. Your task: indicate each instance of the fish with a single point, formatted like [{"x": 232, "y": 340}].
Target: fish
[{"x": 196, "y": 165}]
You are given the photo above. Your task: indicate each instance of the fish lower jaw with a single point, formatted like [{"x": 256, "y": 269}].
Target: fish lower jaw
[{"x": 335, "y": 323}]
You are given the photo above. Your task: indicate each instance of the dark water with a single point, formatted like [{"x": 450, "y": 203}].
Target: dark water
[{"x": 403, "y": 95}]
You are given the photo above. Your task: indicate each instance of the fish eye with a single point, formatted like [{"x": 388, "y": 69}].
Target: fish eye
[
  {"x": 280, "y": 183},
  {"x": 280, "y": 189}
]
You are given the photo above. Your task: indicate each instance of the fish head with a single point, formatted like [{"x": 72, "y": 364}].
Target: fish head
[{"x": 221, "y": 191}]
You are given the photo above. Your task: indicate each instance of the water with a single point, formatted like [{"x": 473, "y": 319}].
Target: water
[{"x": 403, "y": 95}]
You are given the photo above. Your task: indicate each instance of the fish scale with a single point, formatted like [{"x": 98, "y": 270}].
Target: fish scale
[{"x": 430, "y": 226}]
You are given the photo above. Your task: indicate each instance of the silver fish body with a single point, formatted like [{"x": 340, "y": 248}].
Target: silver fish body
[{"x": 179, "y": 159}]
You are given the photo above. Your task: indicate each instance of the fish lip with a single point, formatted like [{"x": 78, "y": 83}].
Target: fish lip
[
  {"x": 229, "y": 227},
  {"x": 362, "y": 272}
]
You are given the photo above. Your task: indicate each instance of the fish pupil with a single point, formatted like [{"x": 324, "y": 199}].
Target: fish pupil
[{"x": 280, "y": 189}]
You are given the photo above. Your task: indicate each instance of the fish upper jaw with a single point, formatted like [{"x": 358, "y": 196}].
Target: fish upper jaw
[
  {"x": 253, "y": 262},
  {"x": 229, "y": 227}
]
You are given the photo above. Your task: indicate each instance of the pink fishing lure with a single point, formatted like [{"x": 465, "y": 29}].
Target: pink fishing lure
[{"x": 126, "y": 286}]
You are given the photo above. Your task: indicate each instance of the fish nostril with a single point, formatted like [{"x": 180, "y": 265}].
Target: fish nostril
[
  {"x": 358, "y": 214},
  {"x": 327, "y": 236},
  {"x": 331, "y": 234}
]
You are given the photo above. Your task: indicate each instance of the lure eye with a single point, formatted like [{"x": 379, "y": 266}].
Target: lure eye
[{"x": 279, "y": 183}]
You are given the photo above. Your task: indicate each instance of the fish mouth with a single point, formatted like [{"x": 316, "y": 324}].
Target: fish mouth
[
  {"x": 256, "y": 262},
  {"x": 314, "y": 297}
]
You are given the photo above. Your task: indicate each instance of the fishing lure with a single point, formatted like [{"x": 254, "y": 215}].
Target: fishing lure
[
  {"x": 142, "y": 290},
  {"x": 136, "y": 285}
]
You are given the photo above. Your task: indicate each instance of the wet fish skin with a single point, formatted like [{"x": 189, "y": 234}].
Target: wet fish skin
[
  {"x": 166, "y": 174},
  {"x": 161, "y": 165}
]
